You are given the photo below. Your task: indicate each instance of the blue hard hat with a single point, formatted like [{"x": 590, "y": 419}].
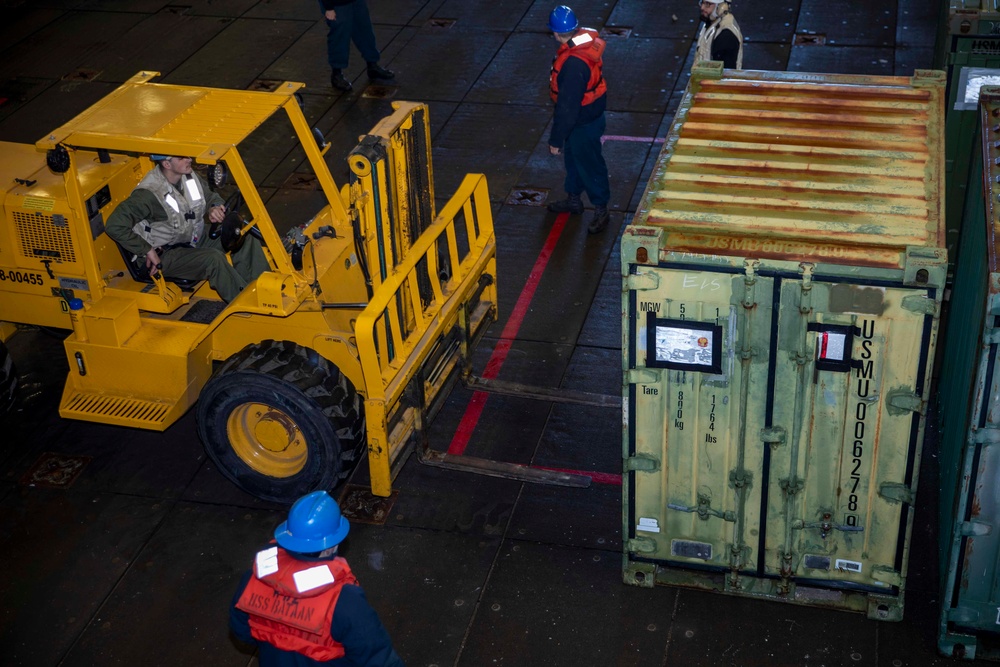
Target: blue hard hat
[
  {"x": 158, "y": 158},
  {"x": 314, "y": 524},
  {"x": 562, "y": 19}
]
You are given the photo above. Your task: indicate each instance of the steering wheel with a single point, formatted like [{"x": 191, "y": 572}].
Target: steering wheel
[{"x": 231, "y": 226}]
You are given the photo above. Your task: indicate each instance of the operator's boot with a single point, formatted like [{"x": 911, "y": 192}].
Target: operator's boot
[
  {"x": 599, "y": 221},
  {"x": 339, "y": 81},
  {"x": 572, "y": 205},
  {"x": 378, "y": 73}
]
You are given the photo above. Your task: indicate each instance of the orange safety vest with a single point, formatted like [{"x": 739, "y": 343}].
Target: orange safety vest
[
  {"x": 588, "y": 47},
  {"x": 291, "y": 620}
]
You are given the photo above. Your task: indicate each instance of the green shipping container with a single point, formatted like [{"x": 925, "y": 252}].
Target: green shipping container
[
  {"x": 969, "y": 50},
  {"x": 782, "y": 283},
  {"x": 970, "y": 422}
]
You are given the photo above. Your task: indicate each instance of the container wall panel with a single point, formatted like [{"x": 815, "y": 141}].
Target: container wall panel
[{"x": 970, "y": 416}]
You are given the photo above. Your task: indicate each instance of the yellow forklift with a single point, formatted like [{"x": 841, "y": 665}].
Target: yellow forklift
[{"x": 371, "y": 309}]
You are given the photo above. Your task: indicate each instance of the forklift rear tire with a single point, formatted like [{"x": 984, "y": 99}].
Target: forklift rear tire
[
  {"x": 8, "y": 381},
  {"x": 280, "y": 421}
]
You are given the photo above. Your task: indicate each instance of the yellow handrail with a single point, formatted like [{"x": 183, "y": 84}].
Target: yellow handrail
[
  {"x": 382, "y": 376},
  {"x": 380, "y": 328}
]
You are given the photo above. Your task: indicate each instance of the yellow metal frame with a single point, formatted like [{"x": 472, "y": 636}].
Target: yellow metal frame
[{"x": 386, "y": 380}]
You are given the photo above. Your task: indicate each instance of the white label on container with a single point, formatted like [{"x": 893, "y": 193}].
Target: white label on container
[
  {"x": 847, "y": 565},
  {"x": 314, "y": 577},
  {"x": 689, "y": 346},
  {"x": 831, "y": 345},
  {"x": 648, "y": 524}
]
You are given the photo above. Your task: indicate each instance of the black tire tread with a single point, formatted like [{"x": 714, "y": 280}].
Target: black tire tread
[{"x": 317, "y": 379}]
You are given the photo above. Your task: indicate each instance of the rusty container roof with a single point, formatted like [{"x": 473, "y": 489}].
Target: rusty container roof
[{"x": 824, "y": 167}]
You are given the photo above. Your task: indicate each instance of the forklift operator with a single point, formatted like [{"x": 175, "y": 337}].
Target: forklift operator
[{"x": 162, "y": 223}]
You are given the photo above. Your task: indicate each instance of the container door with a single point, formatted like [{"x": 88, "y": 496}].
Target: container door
[
  {"x": 848, "y": 385},
  {"x": 698, "y": 402},
  {"x": 774, "y": 420},
  {"x": 974, "y": 571}
]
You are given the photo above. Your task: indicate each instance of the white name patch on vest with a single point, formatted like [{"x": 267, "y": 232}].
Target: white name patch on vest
[
  {"x": 192, "y": 189},
  {"x": 267, "y": 562},
  {"x": 314, "y": 577}
]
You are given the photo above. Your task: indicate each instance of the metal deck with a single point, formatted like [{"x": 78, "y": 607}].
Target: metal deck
[{"x": 133, "y": 558}]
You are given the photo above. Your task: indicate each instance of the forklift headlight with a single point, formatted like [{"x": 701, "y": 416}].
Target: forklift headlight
[
  {"x": 58, "y": 159},
  {"x": 218, "y": 175}
]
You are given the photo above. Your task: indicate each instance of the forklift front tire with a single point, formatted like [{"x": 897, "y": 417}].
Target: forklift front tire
[{"x": 280, "y": 421}]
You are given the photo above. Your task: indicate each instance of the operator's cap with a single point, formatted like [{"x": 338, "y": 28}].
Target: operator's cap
[{"x": 159, "y": 158}]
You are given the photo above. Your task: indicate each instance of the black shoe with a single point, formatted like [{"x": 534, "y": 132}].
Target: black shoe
[
  {"x": 600, "y": 220},
  {"x": 572, "y": 205},
  {"x": 378, "y": 73},
  {"x": 338, "y": 81}
]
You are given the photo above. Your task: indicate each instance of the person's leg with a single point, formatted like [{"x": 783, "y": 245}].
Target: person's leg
[
  {"x": 362, "y": 32},
  {"x": 572, "y": 184},
  {"x": 573, "y": 204},
  {"x": 338, "y": 45},
  {"x": 338, "y": 39},
  {"x": 591, "y": 169},
  {"x": 204, "y": 264},
  {"x": 250, "y": 261}
]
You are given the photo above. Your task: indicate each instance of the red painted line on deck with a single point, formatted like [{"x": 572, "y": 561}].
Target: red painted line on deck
[
  {"x": 596, "y": 477},
  {"x": 475, "y": 408}
]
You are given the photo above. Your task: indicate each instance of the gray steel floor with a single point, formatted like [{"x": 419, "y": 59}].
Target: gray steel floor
[{"x": 135, "y": 563}]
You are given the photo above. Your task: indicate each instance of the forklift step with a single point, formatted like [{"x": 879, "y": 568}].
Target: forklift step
[{"x": 120, "y": 410}]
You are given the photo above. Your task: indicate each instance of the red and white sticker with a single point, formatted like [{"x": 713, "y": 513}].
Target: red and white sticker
[{"x": 832, "y": 345}]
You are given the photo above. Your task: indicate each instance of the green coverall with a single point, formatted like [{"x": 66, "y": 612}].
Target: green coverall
[{"x": 206, "y": 261}]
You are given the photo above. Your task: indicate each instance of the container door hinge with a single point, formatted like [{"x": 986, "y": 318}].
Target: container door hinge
[
  {"x": 641, "y": 463},
  {"x": 641, "y": 545},
  {"x": 646, "y": 280},
  {"x": 886, "y": 575},
  {"x": 642, "y": 376},
  {"x": 921, "y": 304},
  {"x": 976, "y": 529},
  {"x": 895, "y": 492},
  {"x": 773, "y": 436},
  {"x": 986, "y": 436},
  {"x": 904, "y": 401}
]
